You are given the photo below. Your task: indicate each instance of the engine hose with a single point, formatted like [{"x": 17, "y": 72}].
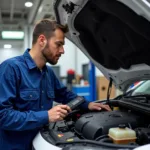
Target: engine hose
[
  {"x": 101, "y": 137},
  {"x": 111, "y": 145}
]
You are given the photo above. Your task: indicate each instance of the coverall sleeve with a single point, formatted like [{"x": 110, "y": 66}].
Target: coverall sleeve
[{"x": 11, "y": 119}]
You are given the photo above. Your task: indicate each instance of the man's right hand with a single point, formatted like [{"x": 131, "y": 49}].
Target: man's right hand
[{"x": 58, "y": 113}]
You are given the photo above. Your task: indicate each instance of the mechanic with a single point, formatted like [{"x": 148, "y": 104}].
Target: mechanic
[{"x": 28, "y": 88}]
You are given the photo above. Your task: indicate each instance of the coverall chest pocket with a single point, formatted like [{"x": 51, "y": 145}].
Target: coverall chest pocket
[
  {"x": 51, "y": 95},
  {"x": 30, "y": 99}
]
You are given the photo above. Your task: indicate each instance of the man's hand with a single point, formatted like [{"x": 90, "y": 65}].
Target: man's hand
[
  {"x": 58, "y": 113},
  {"x": 98, "y": 106}
]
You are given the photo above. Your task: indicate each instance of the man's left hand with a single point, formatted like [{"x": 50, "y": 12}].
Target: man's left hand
[{"x": 98, "y": 106}]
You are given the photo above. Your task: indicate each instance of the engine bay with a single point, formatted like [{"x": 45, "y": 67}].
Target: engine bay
[{"x": 82, "y": 128}]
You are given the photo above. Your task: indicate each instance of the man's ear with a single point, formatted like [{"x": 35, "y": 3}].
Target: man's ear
[
  {"x": 42, "y": 41},
  {"x": 45, "y": 42}
]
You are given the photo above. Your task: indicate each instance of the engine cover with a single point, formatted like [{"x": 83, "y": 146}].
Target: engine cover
[{"x": 95, "y": 124}]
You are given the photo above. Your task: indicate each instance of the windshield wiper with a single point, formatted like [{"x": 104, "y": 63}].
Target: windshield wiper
[{"x": 138, "y": 96}]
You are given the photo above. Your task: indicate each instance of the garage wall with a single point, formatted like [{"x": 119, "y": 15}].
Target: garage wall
[
  {"x": 98, "y": 73},
  {"x": 8, "y": 53}
]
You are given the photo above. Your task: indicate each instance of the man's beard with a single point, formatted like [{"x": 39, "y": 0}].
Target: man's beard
[{"x": 46, "y": 53}]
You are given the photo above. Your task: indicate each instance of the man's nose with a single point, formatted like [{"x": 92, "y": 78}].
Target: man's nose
[{"x": 62, "y": 50}]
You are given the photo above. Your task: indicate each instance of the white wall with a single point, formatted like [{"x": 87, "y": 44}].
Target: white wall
[
  {"x": 98, "y": 72},
  {"x": 8, "y": 53}
]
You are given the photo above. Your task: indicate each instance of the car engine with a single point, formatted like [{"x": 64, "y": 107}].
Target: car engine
[{"x": 92, "y": 128}]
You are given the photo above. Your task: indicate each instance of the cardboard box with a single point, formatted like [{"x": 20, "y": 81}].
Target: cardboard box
[{"x": 102, "y": 87}]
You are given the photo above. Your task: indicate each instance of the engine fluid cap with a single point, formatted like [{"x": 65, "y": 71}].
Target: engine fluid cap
[{"x": 122, "y": 126}]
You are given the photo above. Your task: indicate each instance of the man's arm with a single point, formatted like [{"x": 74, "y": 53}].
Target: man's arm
[{"x": 11, "y": 119}]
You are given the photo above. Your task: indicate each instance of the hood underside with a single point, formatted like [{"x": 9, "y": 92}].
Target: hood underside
[{"x": 115, "y": 35}]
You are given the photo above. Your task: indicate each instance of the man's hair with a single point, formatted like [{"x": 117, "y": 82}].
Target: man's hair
[{"x": 47, "y": 28}]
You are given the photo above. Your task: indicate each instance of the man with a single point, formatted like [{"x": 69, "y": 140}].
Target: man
[{"x": 28, "y": 88}]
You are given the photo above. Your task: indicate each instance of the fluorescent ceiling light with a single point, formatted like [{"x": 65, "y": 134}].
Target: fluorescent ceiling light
[
  {"x": 28, "y": 4},
  {"x": 146, "y": 2},
  {"x": 7, "y": 46},
  {"x": 12, "y": 35}
]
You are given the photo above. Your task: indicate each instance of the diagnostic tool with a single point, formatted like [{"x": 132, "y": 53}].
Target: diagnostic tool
[{"x": 76, "y": 102}]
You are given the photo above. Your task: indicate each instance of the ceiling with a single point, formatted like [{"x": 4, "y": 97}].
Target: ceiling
[{"x": 14, "y": 15}]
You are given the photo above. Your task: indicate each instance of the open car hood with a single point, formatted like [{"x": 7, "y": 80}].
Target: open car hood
[{"x": 113, "y": 34}]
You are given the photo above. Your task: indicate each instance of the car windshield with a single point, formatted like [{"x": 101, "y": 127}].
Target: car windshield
[{"x": 142, "y": 89}]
